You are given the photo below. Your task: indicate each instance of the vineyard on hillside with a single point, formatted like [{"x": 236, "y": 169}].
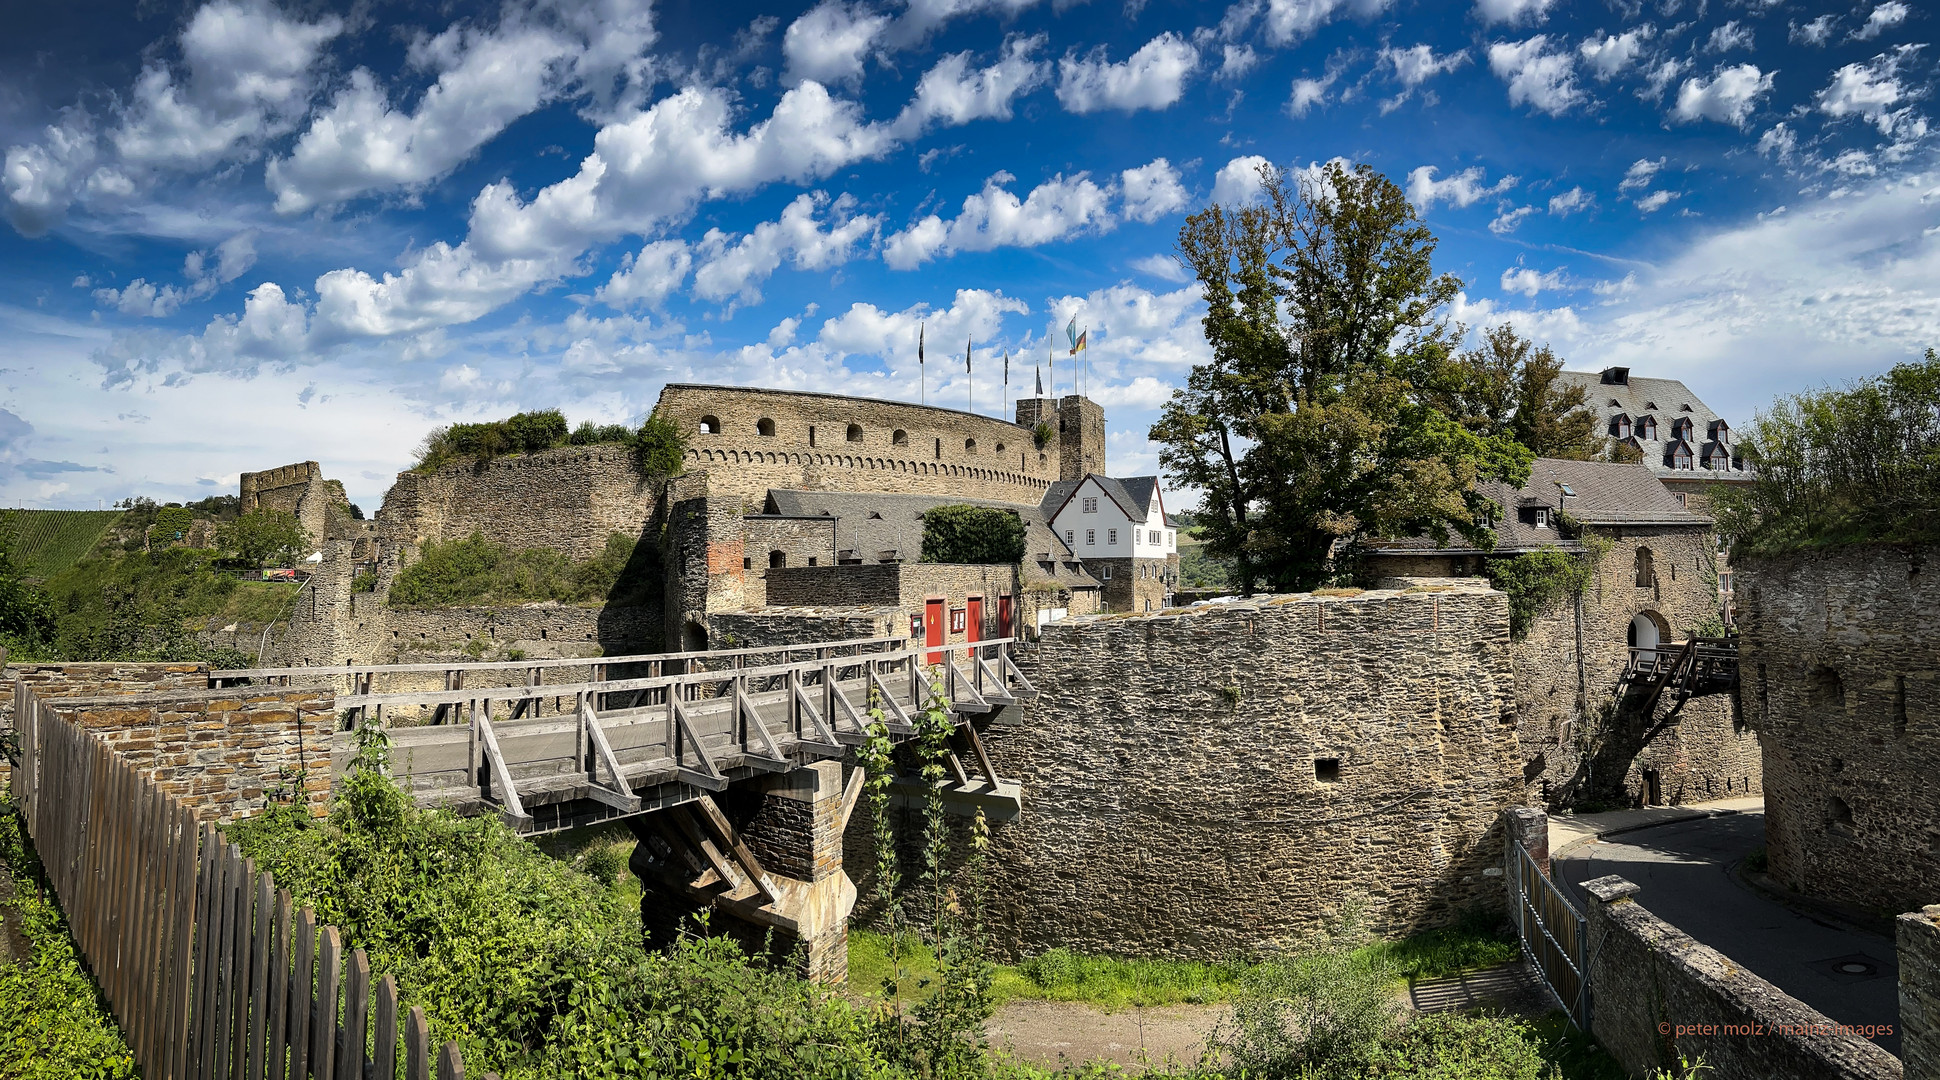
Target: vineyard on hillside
[{"x": 46, "y": 542}]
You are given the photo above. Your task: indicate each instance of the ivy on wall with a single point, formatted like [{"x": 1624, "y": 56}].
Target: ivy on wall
[{"x": 973, "y": 534}]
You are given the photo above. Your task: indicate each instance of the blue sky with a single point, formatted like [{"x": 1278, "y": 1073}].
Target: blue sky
[{"x": 243, "y": 234}]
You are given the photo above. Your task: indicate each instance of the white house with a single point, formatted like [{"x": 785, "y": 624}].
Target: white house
[{"x": 1119, "y": 529}]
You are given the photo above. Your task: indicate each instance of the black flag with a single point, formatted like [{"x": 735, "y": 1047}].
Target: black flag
[
  {"x": 919, "y": 343},
  {"x": 1040, "y": 382}
]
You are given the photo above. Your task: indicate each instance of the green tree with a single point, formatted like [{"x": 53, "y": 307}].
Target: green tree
[
  {"x": 972, "y": 534},
  {"x": 1319, "y": 417},
  {"x": 262, "y": 537},
  {"x": 1508, "y": 386},
  {"x": 660, "y": 446}
]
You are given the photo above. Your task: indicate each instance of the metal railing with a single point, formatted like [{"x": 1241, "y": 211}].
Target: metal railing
[{"x": 1553, "y": 933}]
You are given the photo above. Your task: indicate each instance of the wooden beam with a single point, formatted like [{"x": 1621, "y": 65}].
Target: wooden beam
[
  {"x": 707, "y": 776},
  {"x": 621, "y": 797},
  {"x": 1011, "y": 667},
  {"x": 712, "y": 813},
  {"x": 983, "y": 755},
  {"x": 689, "y": 825},
  {"x": 745, "y": 708},
  {"x": 851, "y": 794},
  {"x": 509, "y": 796},
  {"x": 962, "y": 681}
]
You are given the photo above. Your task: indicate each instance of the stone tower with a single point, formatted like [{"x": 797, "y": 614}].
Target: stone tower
[{"x": 1080, "y": 426}]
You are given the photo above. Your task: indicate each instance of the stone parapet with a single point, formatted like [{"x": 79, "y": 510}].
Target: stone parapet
[
  {"x": 1918, "y": 938},
  {"x": 1657, "y": 996}
]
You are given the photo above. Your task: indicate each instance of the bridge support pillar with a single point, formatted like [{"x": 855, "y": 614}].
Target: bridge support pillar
[{"x": 797, "y": 833}]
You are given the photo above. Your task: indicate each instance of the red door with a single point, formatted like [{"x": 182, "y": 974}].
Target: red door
[
  {"x": 973, "y": 625},
  {"x": 1004, "y": 628},
  {"x": 933, "y": 627}
]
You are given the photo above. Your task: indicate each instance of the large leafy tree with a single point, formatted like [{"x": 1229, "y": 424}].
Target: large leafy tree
[
  {"x": 1508, "y": 385},
  {"x": 262, "y": 537},
  {"x": 1323, "y": 413}
]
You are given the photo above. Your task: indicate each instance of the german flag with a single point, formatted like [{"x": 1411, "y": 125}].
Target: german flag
[{"x": 1079, "y": 345}]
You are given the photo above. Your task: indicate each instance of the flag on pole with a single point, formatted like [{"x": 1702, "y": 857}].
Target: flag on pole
[
  {"x": 1006, "y": 367},
  {"x": 1071, "y": 331},
  {"x": 922, "y": 380},
  {"x": 1078, "y": 343},
  {"x": 1040, "y": 382},
  {"x": 966, "y": 355},
  {"x": 920, "y": 327}
]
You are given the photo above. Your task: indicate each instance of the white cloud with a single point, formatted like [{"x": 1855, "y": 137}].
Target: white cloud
[
  {"x": 736, "y": 269},
  {"x": 1418, "y": 63},
  {"x": 235, "y": 256},
  {"x": 1238, "y": 181},
  {"x": 142, "y": 299},
  {"x": 1164, "y": 267},
  {"x": 1728, "y": 98},
  {"x": 1661, "y": 76},
  {"x": 1507, "y": 221},
  {"x": 1236, "y": 61},
  {"x": 1640, "y": 174},
  {"x": 869, "y": 330},
  {"x": 1870, "y": 90},
  {"x": 1460, "y": 190},
  {"x": 1054, "y": 210},
  {"x": 246, "y": 77},
  {"x": 922, "y": 17},
  {"x": 648, "y": 277},
  {"x": 1513, "y": 12},
  {"x": 1154, "y": 77},
  {"x": 1309, "y": 92},
  {"x": 1656, "y": 200},
  {"x": 952, "y": 93},
  {"x": 1541, "y": 79},
  {"x": 829, "y": 43},
  {"x": 1152, "y": 191},
  {"x": 1732, "y": 35},
  {"x": 1609, "y": 56},
  {"x": 1883, "y": 18},
  {"x": 1816, "y": 32},
  {"x": 1779, "y": 142},
  {"x": 1288, "y": 21},
  {"x": 1569, "y": 202},
  {"x": 1521, "y": 279}
]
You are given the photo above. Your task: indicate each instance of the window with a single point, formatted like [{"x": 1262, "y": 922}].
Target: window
[
  {"x": 777, "y": 559},
  {"x": 1070, "y": 536},
  {"x": 1000, "y": 448},
  {"x": 1542, "y": 517},
  {"x": 899, "y": 437},
  {"x": 1620, "y": 427},
  {"x": 1111, "y": 536},
  {"x": 1647, "y": 428},
  {"x": 747, "y": 562},
  {"x": 811, "y": 560},
  {"x": 1091, "y": 506},
  {"x": 855, "y": 432},
  {"x": 939, "y": 449},
  {"x": 1170, "y": 536},
  {"x": 811, "y": 434},
  {"x": 710, "y": 425},
  {"x": 765, "y": 427},
  {"x": 1155, "y": 537},
  {"x": 1645, "y": 569},
  {"x": 1681, "y": 457},
  {"x": 1091, "y": 536},
  {"x": 969, "y": 446},
  {"x": 1107, "y": 574},
  {"x": 1684, "y": 499},
  {"x": 1327, "y": 770}
]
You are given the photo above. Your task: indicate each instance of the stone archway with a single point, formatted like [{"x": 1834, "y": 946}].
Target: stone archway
[{"x": 1648, "y": 630}]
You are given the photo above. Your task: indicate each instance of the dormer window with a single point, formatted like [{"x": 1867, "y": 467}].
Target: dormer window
[
  {"x": 1718, "y": 458},
  {"x": 1681, "y": 428},
  {"x": 1651, "y": 405},
  {"x": 1720, "y": 431},
  {"x": 1647, "y": 428},
  {"x": 1620, "y": 426},
  {"x": 1680, "y": 456}
]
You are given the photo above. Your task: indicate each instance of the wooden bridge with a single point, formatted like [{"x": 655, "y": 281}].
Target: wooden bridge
[
  {"x": 653, "y": 731},
  {"x": 1698, "y": 667}
]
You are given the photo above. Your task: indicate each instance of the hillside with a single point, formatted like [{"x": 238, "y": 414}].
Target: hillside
[{"x": 46, "y": 542}]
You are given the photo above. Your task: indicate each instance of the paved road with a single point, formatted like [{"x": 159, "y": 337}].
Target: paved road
[{"x": 1684, "y": 869}]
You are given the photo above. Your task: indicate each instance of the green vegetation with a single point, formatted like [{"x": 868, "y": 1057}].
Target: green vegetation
[
  {"x": 1507, "y": 388},
  {"x": 476, "y": 571},
  {"x": 1536, "y": 580},
  {"x": 57, "y": 1026},
  {"x": 1842, "y": 466},
  {"x": 264, "y": 538},
  {"x": 46, "y": 542},
  {"x": 657, "y": 443},
  {"x": 972, "y": 534},
  {"x": 141, "y": 605}
]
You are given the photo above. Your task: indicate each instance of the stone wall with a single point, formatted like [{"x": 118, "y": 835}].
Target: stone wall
[
  {"x": 223, "y": 752},
  {"x": 300, "y": 490},
  {"x": 897, "y": 447},
  {"x": 797, "y": 626},
  {"x": 1139, "y": 584},
  {"x": 905, "y": 586},
  {"x": 798, "y": 541},
  {"x": 569, "y": 499},
  {"x": 1658, "y": 995},
  {"x": 1917, "y": 936},
  {"x": 705, "y": 558},
  {"x": 62, "y": 680},
  {"x": 1839, "y": 672},
  {"x": 1230, "y": 779}
]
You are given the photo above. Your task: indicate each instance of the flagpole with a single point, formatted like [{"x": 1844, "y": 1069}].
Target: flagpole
[{"x": 922, "y": 376}]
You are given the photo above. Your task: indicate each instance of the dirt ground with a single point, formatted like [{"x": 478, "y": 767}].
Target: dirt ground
[{"x": 1045, "y": 1031}]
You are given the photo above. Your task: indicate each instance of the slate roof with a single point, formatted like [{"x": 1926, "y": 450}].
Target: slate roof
[
  {"x": 1133, "y": 494},
  {"x": 1606, "y": 493},
  {"x": 1666, "y": 401},
  {"x": 871, "y": 523}
]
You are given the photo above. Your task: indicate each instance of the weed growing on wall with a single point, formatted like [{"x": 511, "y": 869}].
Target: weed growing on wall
[{"x": 1536, "y": 580}]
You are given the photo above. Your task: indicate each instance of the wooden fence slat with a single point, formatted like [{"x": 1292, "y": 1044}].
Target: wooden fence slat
[
  {"x": 417, "y": 1046},
  {"x": 208, "y": 919},
  {"x": 237, "y": 1022},
  {"x": 302, "y": 996},
  {"x": 221, "y": 1023},
  {"x": 180, "y": 944},
  {"x": 276, "y": 1045},
  {"x": 259, "y": 975},
  {"x": 323, "y": 1029},
  {"x": 157, "y": 845},
  {"x": 109, "y": 871},
  {"x": 450, "y": 1065},
  {"x": 350, "y": 1053},
  {"x": 384, "y": 1037}
]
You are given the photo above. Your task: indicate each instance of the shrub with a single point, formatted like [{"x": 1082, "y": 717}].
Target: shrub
[
  {"x": 1536, "y": 580},
  {"x": 171, "y": 523},
  {"x": 1453, "y": 1046},
  {"x": 973, "y": 534},
  {"x": 1326, "y": 1009},
  {"x": 591, "y": 434},
  {"x": 660, "y": 446},
  {"x": 475, "y": 570}
]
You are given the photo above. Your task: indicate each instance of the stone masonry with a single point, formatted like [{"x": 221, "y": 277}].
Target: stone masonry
[
  {"x": 1918, "y": 940},
  {"x": 1839, "y": 672},
  {"x": 569, "y": 499},
  {"x": 1229, "y": 780},
  {"x": 1658, "y": 995},
  {"x": 298, "y": 489}
]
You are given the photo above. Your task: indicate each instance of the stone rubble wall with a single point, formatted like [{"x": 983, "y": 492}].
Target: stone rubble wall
[
  {"x": 1173, "y": 774},
  {"x": 1648, "y": 979},
  {"x": 220, "y": 751},
  {"x": 569, "y": 499},
  {"x": 1840, "y": 675},
  {"x": 1918, "y": 938},
  {"x": 63, "y": 680},
  {"x": 906, "y": 586},
  {"x": 805, "y": 626}
]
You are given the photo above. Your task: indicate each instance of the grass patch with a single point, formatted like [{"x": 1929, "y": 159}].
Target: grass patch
[
  {"x": 1110, "y": 983},
  {"x": 255, "y": 602}
]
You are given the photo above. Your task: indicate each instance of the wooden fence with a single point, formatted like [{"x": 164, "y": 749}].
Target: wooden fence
[{"x": 210, "y": 971}]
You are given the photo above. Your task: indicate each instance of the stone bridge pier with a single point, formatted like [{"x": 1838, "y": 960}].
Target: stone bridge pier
[{"x": 766, "y": 857}]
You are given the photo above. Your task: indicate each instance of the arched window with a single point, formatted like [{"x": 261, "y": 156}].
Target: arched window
[
  {"x": 855, "y": 432},
  {"x": 765, "y": 426},
  {"x": 969, "y": 446},
  {"x": 899, "y": 438},
  {"x": 777, "y": 560},
  {"x": 1000, "y": 448},
  {"x": 710, "y": 425},
  {"x": 1646, "y": 571}
]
